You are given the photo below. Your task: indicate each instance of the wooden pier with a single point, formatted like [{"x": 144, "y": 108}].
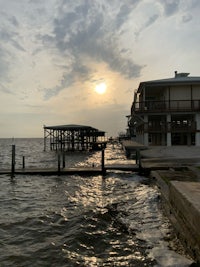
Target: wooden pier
[
  {"x": 142, "y": 166},
  {"x": 89, "y": 171},
  {"x": 73, "y": 137},
  {"x": 132, "y": 148},
  {"x": 61, "y": 169}
]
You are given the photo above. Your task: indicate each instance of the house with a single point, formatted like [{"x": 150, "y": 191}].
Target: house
[{"x": 166, "y": 112}]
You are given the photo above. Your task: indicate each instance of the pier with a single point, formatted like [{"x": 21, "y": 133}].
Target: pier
[
  {"x": 73, "y": 137},
  {"x": 61, "y": 168},
  {"x": 72, "y": 170}
]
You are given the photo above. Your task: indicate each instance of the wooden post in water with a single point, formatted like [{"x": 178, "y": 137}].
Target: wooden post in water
[
  {"x": 102, "y": 161},
  {"x": 13, "y": 162},
  {"x": 63, "y": 159},
  {"x": 59, "y": 161},
  {"x": 23, "y": 162},
  {"x": 138, "y": 158}
]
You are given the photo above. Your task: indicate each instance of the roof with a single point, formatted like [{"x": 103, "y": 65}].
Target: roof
[
  {"x": 71, "y": 127},
  {"x": 170, "y": 81}
]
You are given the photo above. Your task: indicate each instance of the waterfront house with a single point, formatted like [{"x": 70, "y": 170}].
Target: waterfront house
[{"x": 167, "y": 112}]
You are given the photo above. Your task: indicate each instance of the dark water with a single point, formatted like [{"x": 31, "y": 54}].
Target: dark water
[{"x": 80, "y": 221}]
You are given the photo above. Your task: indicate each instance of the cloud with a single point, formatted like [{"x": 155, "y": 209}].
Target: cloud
[
  {"x": 5, "y": 90},
  {"x": 186, "y": 18},
  {"x": 81, "y": 32},
  {"x": 170, "y": 6},
  {"x": 3, "y": 65},
  {"x": 78, "y": 72},
  {"x": 151, "y": 20}
]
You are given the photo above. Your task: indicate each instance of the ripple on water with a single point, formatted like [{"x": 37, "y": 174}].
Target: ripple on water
[{"x": 81, "y": 221}]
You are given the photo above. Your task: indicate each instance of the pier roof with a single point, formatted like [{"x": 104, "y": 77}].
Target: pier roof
[{"x": 71, "y": 127}]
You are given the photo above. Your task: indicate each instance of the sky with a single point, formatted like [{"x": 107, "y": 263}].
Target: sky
[{"x": 53, "y": 54}]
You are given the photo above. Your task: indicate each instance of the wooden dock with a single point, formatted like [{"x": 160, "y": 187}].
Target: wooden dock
[
  {"x": 132, "y": 145},
  {"x": 133, "y": 148},
  {"x": 72, "y": 171},
  {"x": 146, "y": 166}
]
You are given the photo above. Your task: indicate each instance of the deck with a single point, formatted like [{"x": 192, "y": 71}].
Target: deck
[{"x": 71, "y": 171}]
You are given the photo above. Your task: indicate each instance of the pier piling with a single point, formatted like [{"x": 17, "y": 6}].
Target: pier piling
[
  {"x": 63, "y": 159},
  {"x": 103, "y": 161},
  {"x": 23, "y": 162},
  {"x": 59, "y": 158},
  {"x": 13, "y": 162}
]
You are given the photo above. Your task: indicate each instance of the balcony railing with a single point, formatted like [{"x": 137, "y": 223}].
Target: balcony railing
[
  {"x": 163, "y": 127},
  {"x": 166, "y": 106}
]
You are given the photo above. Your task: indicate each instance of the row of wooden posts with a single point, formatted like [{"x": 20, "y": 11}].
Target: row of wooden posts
[{"x": 61, "y": 159}]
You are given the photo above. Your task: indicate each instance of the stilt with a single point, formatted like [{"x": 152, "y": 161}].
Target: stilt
[
  {"x": 23, "y": 162},
  {"x": 102, "y": 161},
  {"x": 58, "y": 161},
  {"x": 13, "y": 162},
  {"x": 63, "y": 159}
]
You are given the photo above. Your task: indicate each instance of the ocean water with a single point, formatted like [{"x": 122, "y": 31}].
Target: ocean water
[{"x": 78, "y": 220}]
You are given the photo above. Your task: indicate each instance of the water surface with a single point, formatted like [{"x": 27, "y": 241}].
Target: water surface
[{"x": 78, "y": 220}]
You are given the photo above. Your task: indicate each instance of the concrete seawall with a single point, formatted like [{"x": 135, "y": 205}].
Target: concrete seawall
[
  {"x": 181, "y": 202},
  {"x": 177, "y": 174}
]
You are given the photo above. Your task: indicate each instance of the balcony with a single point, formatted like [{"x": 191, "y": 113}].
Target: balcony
[
  {"x": 166, "y": 106},
  {"x": 173, "y": 127}
]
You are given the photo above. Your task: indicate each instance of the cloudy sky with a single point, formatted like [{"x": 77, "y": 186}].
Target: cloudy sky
[{"x": 53, "y": 54}]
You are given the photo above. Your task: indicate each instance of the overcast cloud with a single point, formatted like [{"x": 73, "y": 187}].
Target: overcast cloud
[{"x": 54, "y": 52}]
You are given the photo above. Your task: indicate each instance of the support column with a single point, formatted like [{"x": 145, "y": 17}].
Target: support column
[
  {"x": 197, "y": 134},
  {"x": 146, "y": 134},
  {"x": 13, "y": 162},
  {"x": 44, "y": 139},
  {"x": 169, "y": 134},
  {"x": 189, "y": 139}
]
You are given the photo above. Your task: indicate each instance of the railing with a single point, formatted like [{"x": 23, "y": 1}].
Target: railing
[
  {"x": 167, "y": 127},
  {"x": 166, "y": 106}
]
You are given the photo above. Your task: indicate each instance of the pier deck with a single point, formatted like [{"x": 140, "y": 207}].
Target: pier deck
[
  {"x": 133, "y": 145},
  {"x": 70, "y": 171}
]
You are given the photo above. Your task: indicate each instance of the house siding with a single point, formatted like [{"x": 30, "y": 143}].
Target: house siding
[{"x": 167, "y": 112}]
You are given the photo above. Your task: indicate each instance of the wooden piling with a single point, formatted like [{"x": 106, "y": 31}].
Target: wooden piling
[
  {"x": 63, "y": 159},
  {"x": 138, "y": 156},
  {"x": 13, "y": 162},
  {"x": 59, "y": 156},
  {"x": 23, "y": 162},
  {"x": 103, "y": 161}
]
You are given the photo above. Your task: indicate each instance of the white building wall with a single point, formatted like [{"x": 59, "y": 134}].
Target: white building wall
[
  {"x": 180, "y": 92},
  {"x": 196, "y": 92}
]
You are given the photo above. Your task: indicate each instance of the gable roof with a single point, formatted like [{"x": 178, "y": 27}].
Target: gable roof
[{"x": 179, "y": 80}]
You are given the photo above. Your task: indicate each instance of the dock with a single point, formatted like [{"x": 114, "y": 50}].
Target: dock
[
  {"x": 61, "y": 168},
  {"x": 73, "y": 137},
  {"x": 132, "y": 148},
  {"x": 72, "y": 170}
]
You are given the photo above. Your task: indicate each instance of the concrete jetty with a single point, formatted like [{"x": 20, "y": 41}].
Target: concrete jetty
[
  {"x": 132, "y": 148},
  {"x": 177, "y": 174},
  {"x": 176, "y": 170}
]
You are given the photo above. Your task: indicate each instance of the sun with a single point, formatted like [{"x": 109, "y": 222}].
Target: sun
[{"x": 101, "y": 88}]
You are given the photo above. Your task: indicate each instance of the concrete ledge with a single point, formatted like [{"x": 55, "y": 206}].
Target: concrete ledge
[
  {"x": 181, "y": 201},
  {"x": 184, "y": 199},
  {"x": 132, "y": 147}
]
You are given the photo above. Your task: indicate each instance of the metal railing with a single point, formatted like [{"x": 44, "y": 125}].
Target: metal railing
[
  {"x": 166, "y": 106},
  {"x": 165, "y": 127}
]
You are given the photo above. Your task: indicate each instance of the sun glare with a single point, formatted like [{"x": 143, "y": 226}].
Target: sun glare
[{"x": 100, "y": 88}]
